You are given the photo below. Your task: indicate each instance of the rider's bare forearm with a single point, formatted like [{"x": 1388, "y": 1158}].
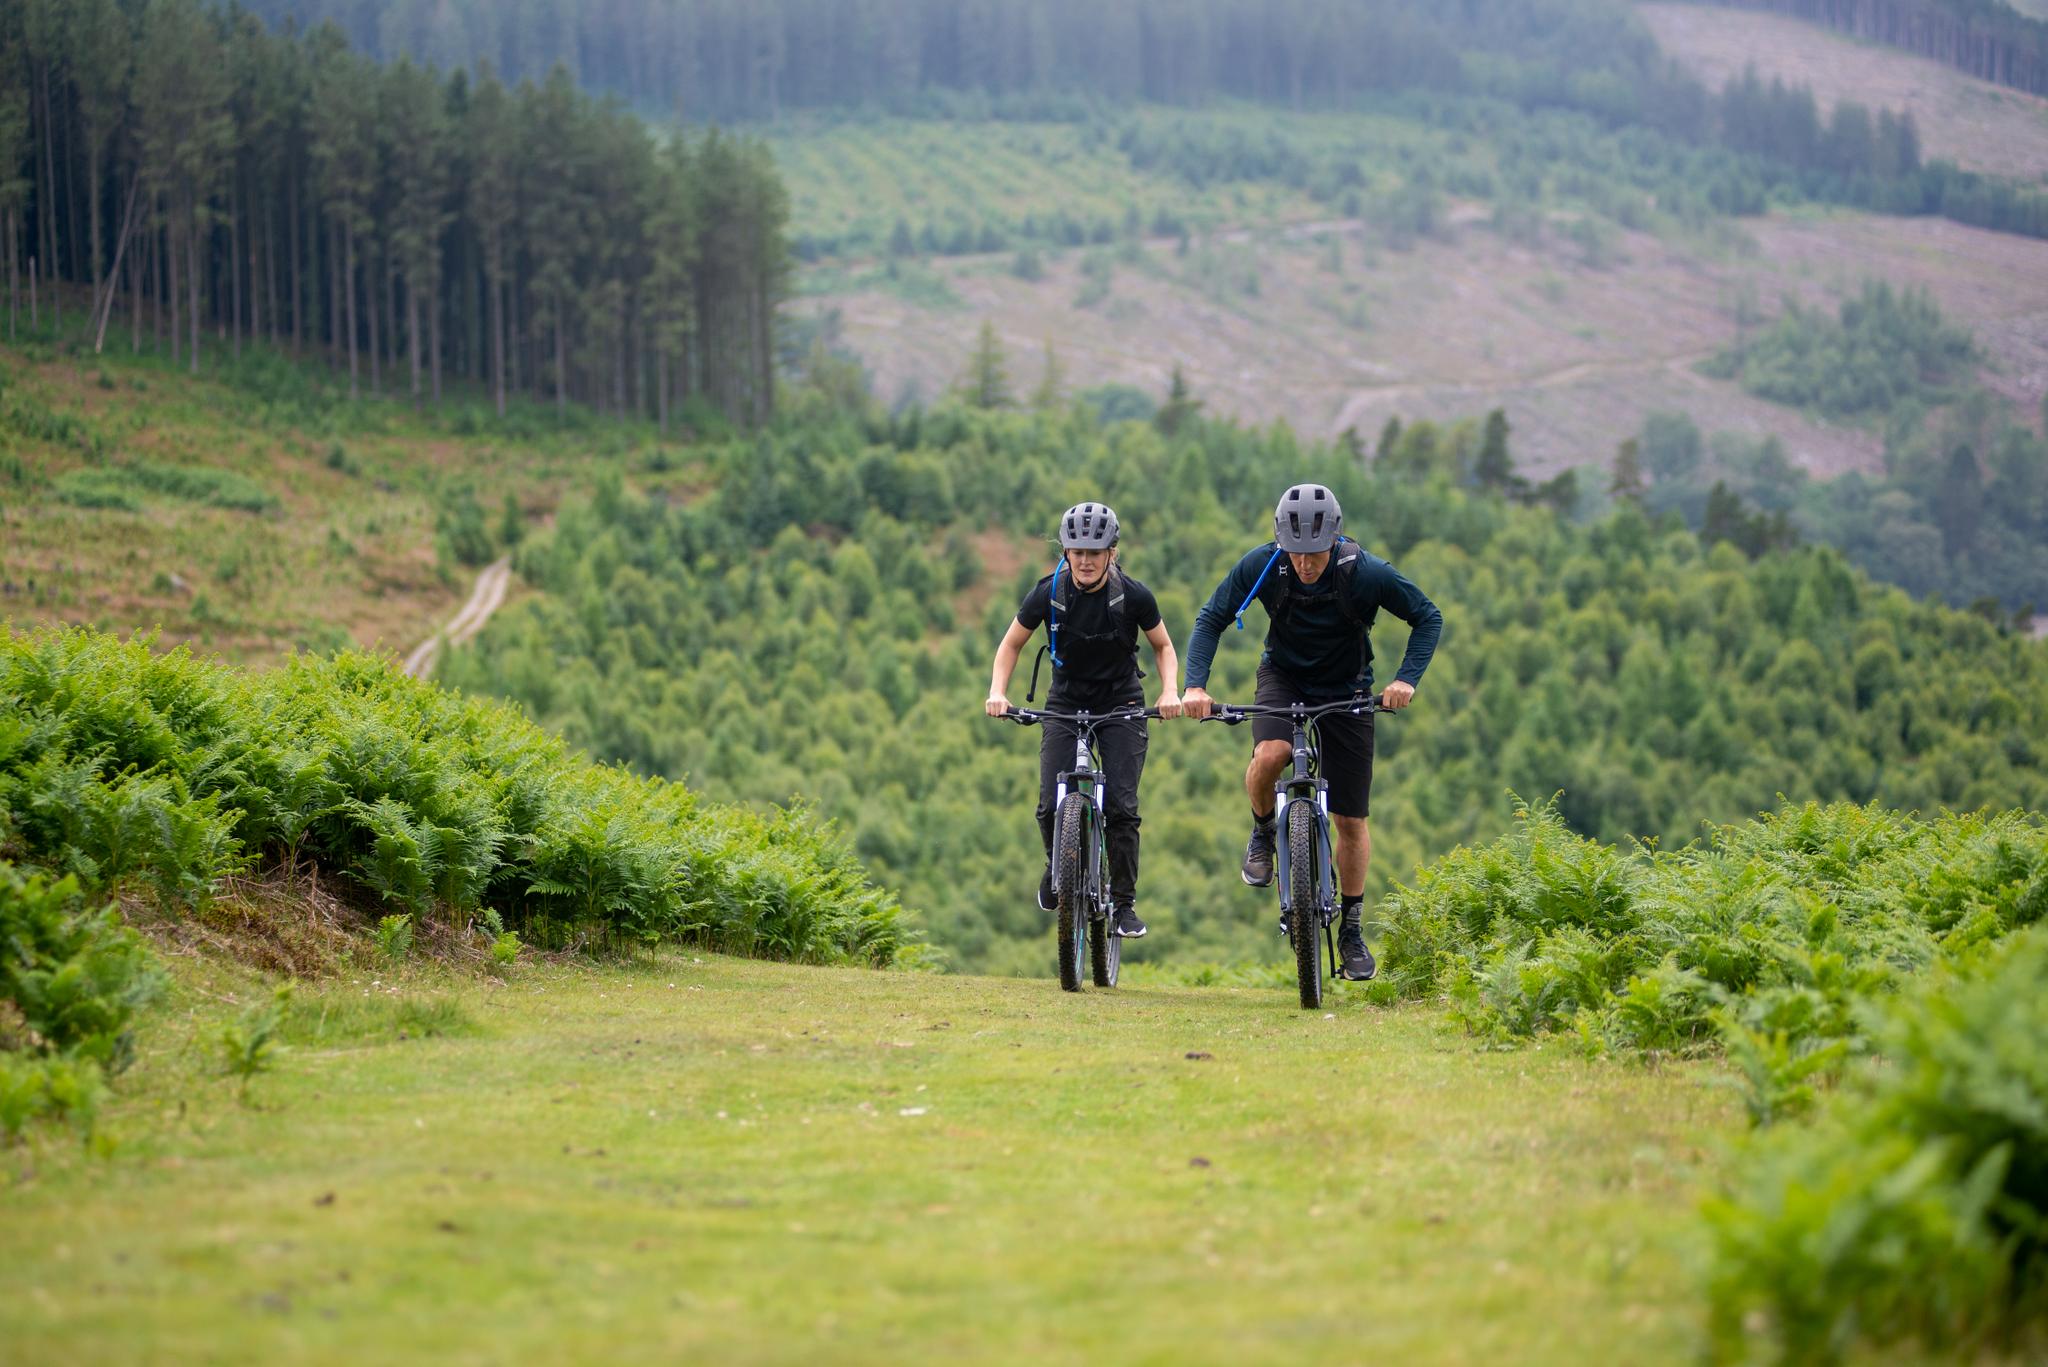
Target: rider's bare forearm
[
  {"x": 1168, "y": 662},
  {"x": 1005, "y": 666},
  {"x": 1007, "y": 654}
]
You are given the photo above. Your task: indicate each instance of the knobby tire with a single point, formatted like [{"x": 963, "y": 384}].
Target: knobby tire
[
  {"x": 1105, "y": 946},
  {"x": 1304, "y": 918},
  {"x": 1069, "y": 833}
]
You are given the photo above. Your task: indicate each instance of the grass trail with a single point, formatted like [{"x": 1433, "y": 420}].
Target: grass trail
[{"x": 735, "y": 1161}]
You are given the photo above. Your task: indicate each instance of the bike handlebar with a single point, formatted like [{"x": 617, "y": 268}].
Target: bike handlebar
[
  {"x": 1025, "y": 716},
  {"x": 1231, "y": 714}
]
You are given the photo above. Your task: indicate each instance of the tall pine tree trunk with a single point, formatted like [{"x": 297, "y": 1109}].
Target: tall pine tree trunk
[
  {"x": 157, "y": 241},
  {"x": 412, "y": 333},
  {"x": 92, "y": 161},
  {"x": 561, "y": 360},
  {"x": 331, "y": 316},
  {"x": 270, "y": 263},
  {"x": 661, "y": 388},
  {"x": 46, "y": 203},
  {"x": 348, "y": 312},
  {"x": 255, "y": 278},
  {"x": 497, "y": 288},
  {"x": 135, "y": 294},
  {"x": 171, "y": 261},
  {"x": 434, "y": 336},
  {"x": 297, "y": 291},
  {"x": 235, "y": 273},
  {"x": 371, "y": 289},
  {"x": 192, "y": 276}
]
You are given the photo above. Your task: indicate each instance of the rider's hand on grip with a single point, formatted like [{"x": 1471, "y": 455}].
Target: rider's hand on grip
[
  {"x": 997, "y": 705},
  {"x": 1196, "y": 703}
]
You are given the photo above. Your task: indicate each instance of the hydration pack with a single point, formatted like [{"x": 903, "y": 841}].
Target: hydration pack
[
  {"x": 1060, "y": 602},
  {"x": 1344, "y": 557}
]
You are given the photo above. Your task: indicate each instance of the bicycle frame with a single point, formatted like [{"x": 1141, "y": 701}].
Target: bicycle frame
[
  {"x": 1305, "y": 784},
  {"x": 1087, "y": 778},
  {"x": 1086, "y": 914}
]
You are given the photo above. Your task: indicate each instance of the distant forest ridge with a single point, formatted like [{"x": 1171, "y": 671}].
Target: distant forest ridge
[
  {"x": 201, "y": 173},
  {"x": 1986, "y": 38},
  {"x": 713, "y": 59}
]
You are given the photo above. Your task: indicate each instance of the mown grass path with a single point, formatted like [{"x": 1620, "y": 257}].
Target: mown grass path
[{"x": 731, "y": 1161}]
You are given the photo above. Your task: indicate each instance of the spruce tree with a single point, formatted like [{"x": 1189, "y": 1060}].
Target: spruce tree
[
  {"x": 1627, "y": 484},
  {"x": 987, "y": 382},
  {"x": 1050, "y": 381},
  {"x": 1180, "y": 407},
  {"x": 1495, "y": 468}
]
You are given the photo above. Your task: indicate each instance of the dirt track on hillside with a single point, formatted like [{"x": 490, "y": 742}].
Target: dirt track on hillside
[{"x": 488, "y": 596}]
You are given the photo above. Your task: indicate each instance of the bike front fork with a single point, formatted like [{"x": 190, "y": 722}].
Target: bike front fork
[{"x": 1326, "y": 901}]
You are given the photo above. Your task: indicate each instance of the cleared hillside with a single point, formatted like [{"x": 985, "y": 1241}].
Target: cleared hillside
[
  {"x": 1973, "y": 123},
  {"x": 1326, "y": 327},
  {"x": 255, "y": 511}
]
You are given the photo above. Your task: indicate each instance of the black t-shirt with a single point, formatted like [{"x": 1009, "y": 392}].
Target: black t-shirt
[{"x": 1100, "y": 670}]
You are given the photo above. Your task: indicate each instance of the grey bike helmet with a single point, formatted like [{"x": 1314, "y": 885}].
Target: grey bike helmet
[
  {"x": 1307, "y": 520},
  {"x": 1088, "y": 527}
]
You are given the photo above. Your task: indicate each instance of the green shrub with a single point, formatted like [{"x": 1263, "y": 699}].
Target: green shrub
[
  {"x": 1917, "y": 1208},
  {"x": 417, "y": 796},
  {"x": 70, "y": 1089},
  {"x": 1768, "y": 938},
  {"x": 248, "y": 1043},
  {"x": 125, "y": 486},
  {"x": 394, "y": 938},
  {"x": 74, "y": 973}
]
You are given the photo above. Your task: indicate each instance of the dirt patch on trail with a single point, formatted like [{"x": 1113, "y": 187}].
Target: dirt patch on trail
[{"x": 1973, "y": 123}]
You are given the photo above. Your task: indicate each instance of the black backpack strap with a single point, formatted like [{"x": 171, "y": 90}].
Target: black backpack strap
[
  {"x": 1349, "y": 554},
  {"x": 1119, "y": 617},
  {"x": 1346, "y": 557}
]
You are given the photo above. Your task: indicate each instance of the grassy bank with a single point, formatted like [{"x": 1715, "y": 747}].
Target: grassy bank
[{"x": 737, "y": 1161}]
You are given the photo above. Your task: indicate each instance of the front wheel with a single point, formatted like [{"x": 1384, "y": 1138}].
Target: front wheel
[
  {"x": 1106, "y": 948},
  {"x": 1304, "y": 917},
  {"x": 1070, "y": 885}
]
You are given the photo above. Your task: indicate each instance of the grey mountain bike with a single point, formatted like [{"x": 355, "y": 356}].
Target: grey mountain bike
[
  {"x": 1080, "y": 861},
  {"x": 1305, "y": 869}
]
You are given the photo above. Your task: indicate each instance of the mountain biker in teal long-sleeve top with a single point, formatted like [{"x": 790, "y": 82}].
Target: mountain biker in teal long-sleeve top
[{"x": 1321, "y": 592}]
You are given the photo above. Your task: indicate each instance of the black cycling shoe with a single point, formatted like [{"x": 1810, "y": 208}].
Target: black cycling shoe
[
  {"x": 1128, "y": 925},
  {"x": 1357, "y": 959},
  {"x": 1258, "y": 856},
  {"x": 1047, "y": 899}
]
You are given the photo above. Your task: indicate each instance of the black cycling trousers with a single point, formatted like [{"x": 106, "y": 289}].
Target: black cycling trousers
[{"x": 1122, "y": 747}]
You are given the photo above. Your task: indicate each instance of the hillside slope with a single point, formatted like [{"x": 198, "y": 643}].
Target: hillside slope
[
  {"x": 1326, "y": 328},
  {"x": 1973, "y": 123},
  {"x": 254, "y": 510}
]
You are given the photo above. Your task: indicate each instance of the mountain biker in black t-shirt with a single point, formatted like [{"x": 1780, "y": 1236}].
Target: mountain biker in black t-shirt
[{"x": 1093, "y": 613}]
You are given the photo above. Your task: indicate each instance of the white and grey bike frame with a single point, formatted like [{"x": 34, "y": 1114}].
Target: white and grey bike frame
[
  {"x": 1084, "y": 770},
  {"x": 1304, "y": 785}
]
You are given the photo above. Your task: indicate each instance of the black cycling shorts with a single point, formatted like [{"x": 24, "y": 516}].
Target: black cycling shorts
[{"x": 1346, "y": 742}]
